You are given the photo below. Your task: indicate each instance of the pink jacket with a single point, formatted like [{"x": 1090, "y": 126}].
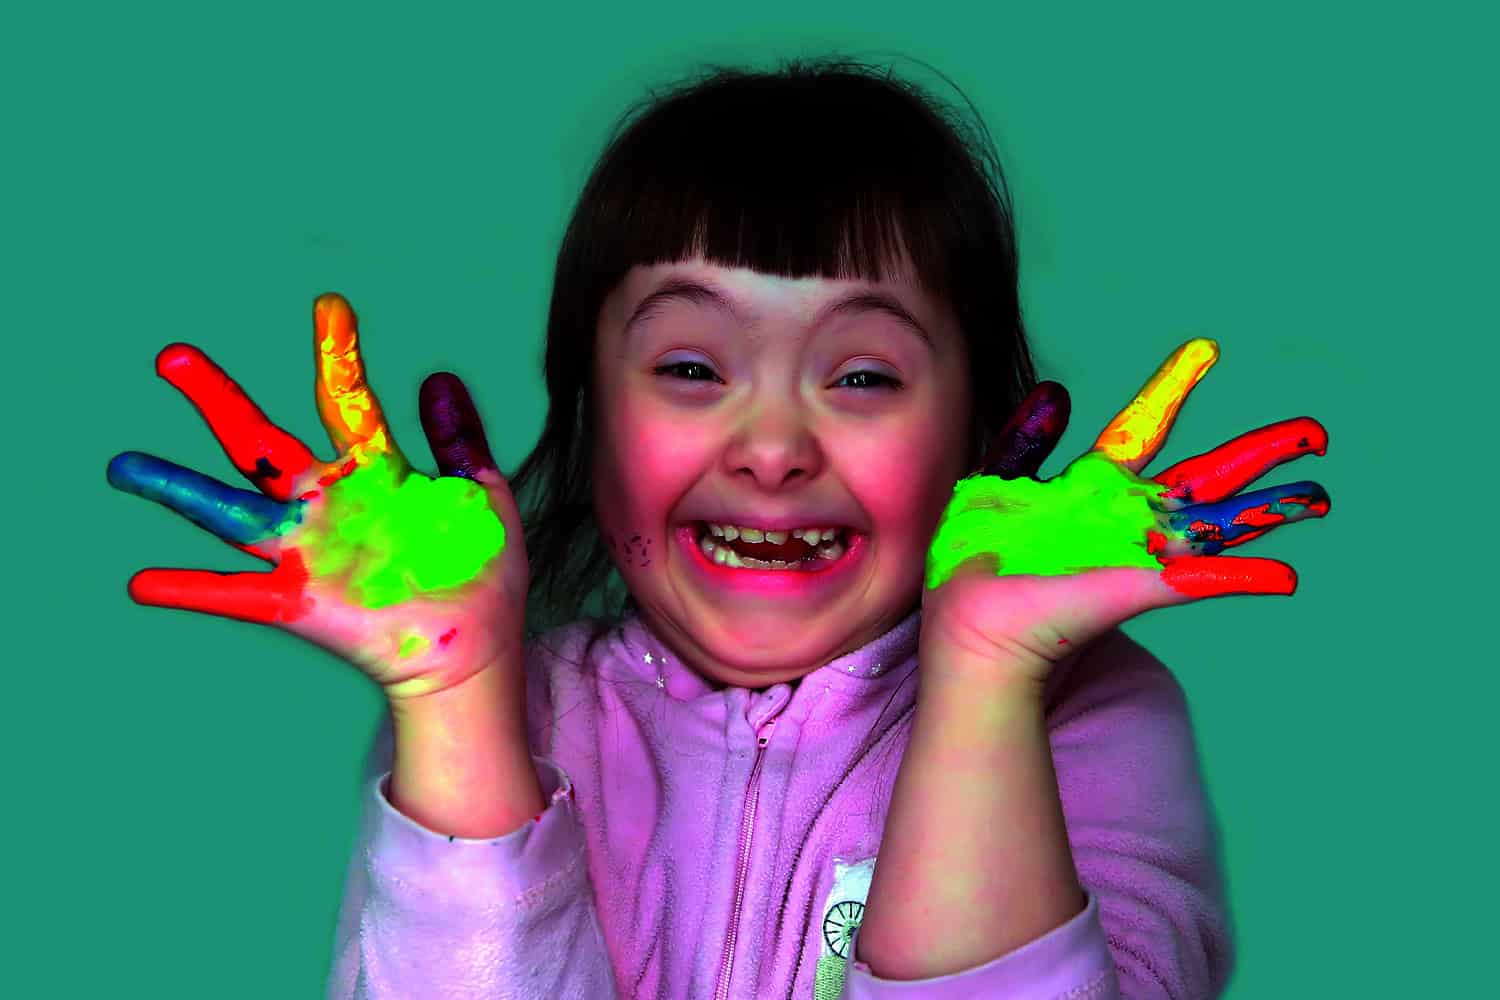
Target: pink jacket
[{"x": 719, "y": 843}]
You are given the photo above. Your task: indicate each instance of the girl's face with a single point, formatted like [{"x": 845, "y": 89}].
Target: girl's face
[{"x": 771, "y": 412}]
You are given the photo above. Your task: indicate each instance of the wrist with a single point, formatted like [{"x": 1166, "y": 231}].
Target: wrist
[
  {"x": 456, "y": 667},
  {"x": 966, "y": 682},
  {"x": 462, "y": 765},
  {"x": 486, "y": 709}
]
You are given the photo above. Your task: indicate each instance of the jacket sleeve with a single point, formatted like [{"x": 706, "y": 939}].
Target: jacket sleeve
[
  {"x": 1071, "y": 962},
  {"x": 1140, "y": 823},
  {"x": 1156, "y": 924},
  {"x": 428, "y": 915}
]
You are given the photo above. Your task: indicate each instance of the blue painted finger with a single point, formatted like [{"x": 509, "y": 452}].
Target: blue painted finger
[
  {"x": 243, "y": 517},
  {"x": 1238, "y": 519}
]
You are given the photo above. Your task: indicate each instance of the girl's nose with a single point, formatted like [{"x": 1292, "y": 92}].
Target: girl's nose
[{"x": 774, "y": 449}]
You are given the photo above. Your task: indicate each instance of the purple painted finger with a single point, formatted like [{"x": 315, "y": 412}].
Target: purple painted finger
[
  {"x": 1025, "y": 442},
  {"x": 453, "y": 428}
]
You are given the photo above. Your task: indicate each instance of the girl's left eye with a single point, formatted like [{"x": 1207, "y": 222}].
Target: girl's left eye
[{"x": 892, "y": 384}]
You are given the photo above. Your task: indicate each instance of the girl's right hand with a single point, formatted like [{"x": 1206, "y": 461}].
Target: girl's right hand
[{"x": 419, "y": 582}]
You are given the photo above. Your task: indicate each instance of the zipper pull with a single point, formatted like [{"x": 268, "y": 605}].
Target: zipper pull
[{"x": 764, "y": 733}]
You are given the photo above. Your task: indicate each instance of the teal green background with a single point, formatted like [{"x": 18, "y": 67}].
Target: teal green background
[{"x": 1311, "y": 189}]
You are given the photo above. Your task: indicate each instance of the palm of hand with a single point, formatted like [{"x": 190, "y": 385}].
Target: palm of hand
[
  {"x": 1022, "y": 572},
  {"x": 413, "y": 579}
]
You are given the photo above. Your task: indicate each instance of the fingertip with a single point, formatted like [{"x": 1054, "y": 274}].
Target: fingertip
[
  {"x": 141, "y": 588},
  {"x": 1059, "y": 392},
  {"x": 1054, "y": 407},
  {"x": 1053, "y": 391},
  {"x": 332, "y": 312},
  {"x": 1205, "y": 350},
  {"x": 119, "y": 472},
  {"x": 1314, "y": 436},
  {"x": 439, "y": 386},
  {"x": 176, "y": 358}
]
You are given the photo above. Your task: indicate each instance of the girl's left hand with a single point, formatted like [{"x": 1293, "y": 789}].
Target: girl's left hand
[{"x": 1022, "y": 572}]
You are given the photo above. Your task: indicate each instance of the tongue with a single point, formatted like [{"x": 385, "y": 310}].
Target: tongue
[{"x": 791, "y": 550}]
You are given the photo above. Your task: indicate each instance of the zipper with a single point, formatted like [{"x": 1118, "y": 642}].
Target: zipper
[{"x": 742, "y": 866}]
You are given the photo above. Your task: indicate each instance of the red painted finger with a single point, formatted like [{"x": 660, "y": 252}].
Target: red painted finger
[
  {"x": 265, "y": 454},
  {"x": 268, "y": 598},
  {"x": 1230, "y": 467},
  {"x": 1216, "y": 576}
]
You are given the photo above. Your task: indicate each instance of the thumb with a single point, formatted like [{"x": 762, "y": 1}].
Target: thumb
[
  {"x": 455, "y": 433},
  {"x": 453, "y": 428},
  {"x": 1081, "y": 607}
]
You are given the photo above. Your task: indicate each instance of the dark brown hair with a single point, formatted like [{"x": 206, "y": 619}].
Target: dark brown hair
[{"x": 827, "y": 167}]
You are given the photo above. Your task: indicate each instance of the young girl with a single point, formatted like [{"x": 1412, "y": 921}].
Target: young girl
[{"x": 844, "y": 694}]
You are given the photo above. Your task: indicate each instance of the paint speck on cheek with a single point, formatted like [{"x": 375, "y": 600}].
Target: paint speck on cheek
[{"x": 635, "y": 552}]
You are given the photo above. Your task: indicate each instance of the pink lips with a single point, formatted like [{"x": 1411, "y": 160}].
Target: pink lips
[{"x": 796, "y": 583}]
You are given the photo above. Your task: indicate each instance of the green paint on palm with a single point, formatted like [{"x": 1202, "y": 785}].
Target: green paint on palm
[
  {"x": 1096, "y": 513},
  {"x": 395, "y": 537},
  {"x": 411, "y": 645}
]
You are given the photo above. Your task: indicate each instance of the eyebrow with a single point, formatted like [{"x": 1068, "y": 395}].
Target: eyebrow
[{"x": 706, "y": 294}]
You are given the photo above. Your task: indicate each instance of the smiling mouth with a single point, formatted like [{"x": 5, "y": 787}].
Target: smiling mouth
[{"x": 791, "y": 554}]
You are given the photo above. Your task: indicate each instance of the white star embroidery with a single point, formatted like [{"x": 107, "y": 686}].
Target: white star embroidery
[
  {"x": 648, "y": 658},
  {"x": 661, "y": 682}
]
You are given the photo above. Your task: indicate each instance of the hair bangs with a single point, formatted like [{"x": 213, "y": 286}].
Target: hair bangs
[{"x": 822, "y": 185}]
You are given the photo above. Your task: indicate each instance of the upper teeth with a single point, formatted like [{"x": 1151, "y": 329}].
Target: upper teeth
[{"x": 812, "y": 536}]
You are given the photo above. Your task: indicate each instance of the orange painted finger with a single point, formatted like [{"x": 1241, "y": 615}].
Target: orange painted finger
[
  {"x": 1229, "y": 468},
  {"x": 267, "y": 598},
  {"x": 1138, "y": 431},
  {"x": 265, "y": 454},
  {"x": 348, "y": 407}
]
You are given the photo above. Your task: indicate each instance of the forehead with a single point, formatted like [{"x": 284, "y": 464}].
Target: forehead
[
  {"x": 759, "y": 294},
  {"x": 758, "y": 285}
]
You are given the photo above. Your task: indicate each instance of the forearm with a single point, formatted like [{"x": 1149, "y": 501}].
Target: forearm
[
  {"x": 461, "y": 764},
  {"x": 974, "y": 861}
]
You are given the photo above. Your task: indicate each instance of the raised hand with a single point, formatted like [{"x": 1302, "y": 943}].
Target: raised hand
[
  {"x": 420, "y": 582},
  {"x": 1021, "y": 572}
]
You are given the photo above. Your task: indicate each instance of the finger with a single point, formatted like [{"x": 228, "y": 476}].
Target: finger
[
  {"x": 1213, "y": 527},
  {"x": 267, "y": 598},
  {"x": 265, "y": 454},
  {"x": 1137, "y": 432},
  {"x": 1232, "y": 466},
  {"x": 1021, "y": 447},
  {"x": 453, "y": 428},
  {"x": 350, "y": 411},
  {"x": 242, "y": 517},
  {"x": 1216, "y": 576}
]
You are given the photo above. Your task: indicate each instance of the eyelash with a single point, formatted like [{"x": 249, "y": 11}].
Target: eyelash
[{"x": 894, "y": 385}]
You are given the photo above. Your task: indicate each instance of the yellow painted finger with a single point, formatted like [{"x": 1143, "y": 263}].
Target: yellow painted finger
[
  {"x": 1137, "y": 433},
  {"x": 347, "y": 406}
]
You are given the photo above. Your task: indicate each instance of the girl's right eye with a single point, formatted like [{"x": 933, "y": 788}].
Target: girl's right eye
[{"x": 666, "y": 369}]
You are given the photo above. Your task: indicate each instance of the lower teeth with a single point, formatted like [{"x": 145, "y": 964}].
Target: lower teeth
[{"x": 725, "y": 556}]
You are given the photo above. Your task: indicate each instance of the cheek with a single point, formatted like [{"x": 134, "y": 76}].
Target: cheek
[
  {"x": 642, "y": 469},
  {"x": 904, "y": 481}
]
